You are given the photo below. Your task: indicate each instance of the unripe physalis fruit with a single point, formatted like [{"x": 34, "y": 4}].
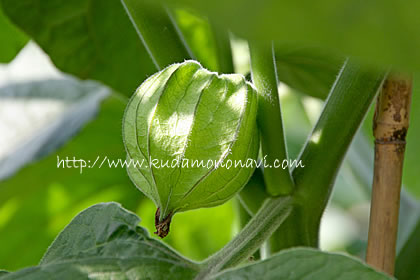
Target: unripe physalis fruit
[{"x": 184, "y": 130}]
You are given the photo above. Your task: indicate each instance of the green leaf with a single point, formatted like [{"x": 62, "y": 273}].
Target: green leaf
[
  {"x": 104, "y": 241},
  {"x": 93, "y": 231},
  {"x": 28, "y": 132},
  {"x": 303, "y": 263},
  {"x": 91, "y": 39},
  {"x": 309, "y": 70},
  {"x": 199, "y": 37},
  {"x": 186, "y": 114},
  {"x": 41, "y": 199},
  {"x": 158, "y": 31},
  {"x": 384, "y": 32},
  {"x": 11, "y": 38}
]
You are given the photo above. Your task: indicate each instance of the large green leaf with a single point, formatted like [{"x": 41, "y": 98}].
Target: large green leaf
[
  {"x": 41, "y": 199},
  {"x": 379, "y": 31},
  {"x": 37, "y": 117},
  {"x": 11, "y": 38},
  {"x": 303, "y": 263},
  {"x": 91, "y": 39},
  {"x": 104, "y": 241}
]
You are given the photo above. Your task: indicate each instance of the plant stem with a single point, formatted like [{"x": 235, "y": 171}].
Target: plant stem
[
  {"x": 344, "y": 110},
  {"x": 158, "y": 32},
  {"x": 264, "y": 76},
  {"x": 292, "y": 233},
  {"x": 223, "y": 49},
  {"x": 243, "y": 218},
  {"x": 273, "y": 212},
  {"x": 390, "y": 127}
]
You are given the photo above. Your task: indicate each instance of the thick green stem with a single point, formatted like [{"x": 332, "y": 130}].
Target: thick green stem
[
  {"x": 243, "y": 218},
  {"x": 344, "y": 110},
  {"x": 273, "y": 212},
  {"x": 223, "y": 49},
  {"x": 158, "y": 32},
  {"x": 292, "y": 233},
  {"x": 264, "y": 76}
]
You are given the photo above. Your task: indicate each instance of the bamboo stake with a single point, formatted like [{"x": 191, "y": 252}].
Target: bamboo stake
[{"x": 390, "y": 127}]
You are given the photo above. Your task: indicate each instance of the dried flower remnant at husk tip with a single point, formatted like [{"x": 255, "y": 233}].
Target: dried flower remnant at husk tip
[{"x": 186, "y": 112}]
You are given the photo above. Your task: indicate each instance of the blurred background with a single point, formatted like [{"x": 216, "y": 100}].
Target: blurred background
[{"x": 46, "y": 113}]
